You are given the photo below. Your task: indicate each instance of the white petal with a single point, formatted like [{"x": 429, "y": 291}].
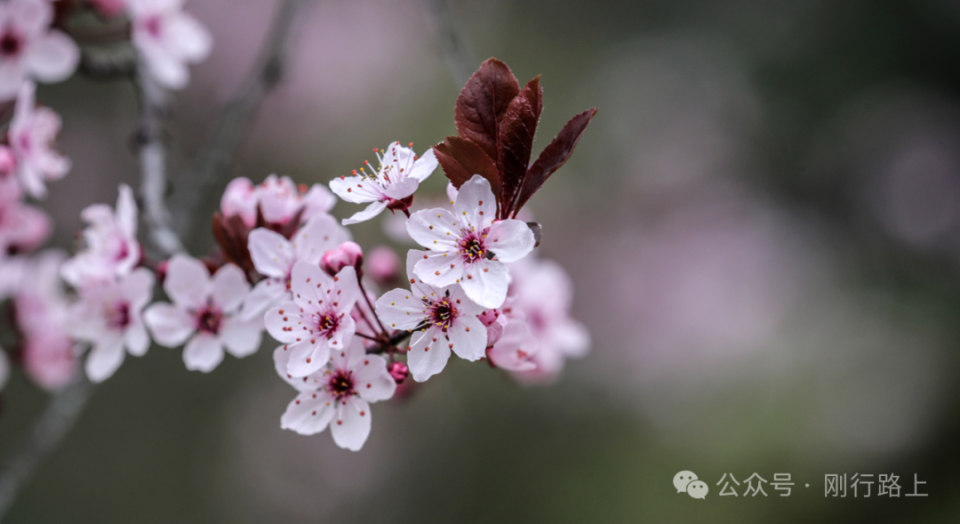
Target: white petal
[
  {"x": 319, "y": 235},
  {"x": 203, "y": 353},
  {"x": 371, "y": 211},
  {"x": 308, "y": 357},
  {"x": 318, "y": 201},
  {"x": 126, "y": 213},
  {"x": 486, "y": 283},
  {"x": 272, "y": 254},
  {"x": 441, "y": 269},
  {"x": 265, "y": 295},
  {"x": 285, "y": 323},
  {"x": 137, "y": 288},
  {"x": 510, "y": 240},
  {"x": 281, "y": 358},
  {"x": 187, "y": 282},
  {"x": 424, "y": 166},
  {"x": 135, "y": 337},
  {"x": 188, "y": 38},
  {"x": 12, "y": 74},
  {"x": 428, "y": 354},
  {"x": 468, "y": 338},
  {"x": 356, "y": 189},
  {"x": 310, "y": 286},
  {"x": 104, "y": 359},
  {"x": 435, "y": 229},
  {"x": 28, "y": 16},
  {"x": 230, "y": 287},
  {"x": 52, "y": 57},
  {"x": 309, "y": 413},
  {"x": 242, "y": 338},
  {"x": 169, "y": 325},
  {"x": 402, "y": 188},
  {"x": 476, "y": 203},
  {"x": 373, "y": 381},
  {"x": 168, "y": 70},
  {"x": 351, "y": 425},
  {"x": 346, "y": 289},
  {"x": 400, "y": 309}
]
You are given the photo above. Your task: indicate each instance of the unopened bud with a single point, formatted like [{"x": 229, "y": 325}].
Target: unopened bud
[
  {"x": 383, "y": 265},
  {"x": 399, "y": 371},
  {"x": 494, "y": 322},
  {"x": 346, "y": 254}
]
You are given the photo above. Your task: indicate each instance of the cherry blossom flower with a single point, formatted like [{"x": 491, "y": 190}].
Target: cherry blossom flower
[
  {"x": 397, "y": 178},
  {"x": 49, "y": 359},
  {"x": 461, "y": 244},
  {"x": 515, "y": 348},
  {"x": 109, "y": 316},
  {"x": 346, "y": 254},
  {"x": 337, "y": 395},
  {"x": 204, "y": 311},
  {"x": 110, "y": 242},
  {"x": 168, "y": 39},
  {"x": 446, "y": 320},
  {"x": 278, "y": 198},
  {"x": 31, "y": 136},
  {"x": 30, "y": 49},
  {"x": 274, "y": 257},
  {"x": 317, "y": 321},
  {"x": 22, "y": 228},
  {"x": 541, "y": 293}
]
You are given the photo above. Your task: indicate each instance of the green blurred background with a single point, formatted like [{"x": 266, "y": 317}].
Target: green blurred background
[{"x": 762, "y": 225}]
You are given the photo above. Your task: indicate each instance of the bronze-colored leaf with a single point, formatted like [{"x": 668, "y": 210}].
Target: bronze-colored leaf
[
  {"x": 461, "y": 159},
  {"x": 482, "y": 104},
  {"x": 553, "y": 156},
  {"x": 515, "y": 142}
]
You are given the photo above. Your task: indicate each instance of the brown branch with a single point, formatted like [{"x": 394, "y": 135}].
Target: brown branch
[{"x": 457, "y": 52}]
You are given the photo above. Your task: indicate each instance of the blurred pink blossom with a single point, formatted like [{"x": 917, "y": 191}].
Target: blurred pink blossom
[
  {"x": 110, "y": 242},
  {"x": 278, "y": 198},
  {"x": 31, "y": 136},
  {"x": 30, "y": 49},
  {"x": 168, "y": 39}
]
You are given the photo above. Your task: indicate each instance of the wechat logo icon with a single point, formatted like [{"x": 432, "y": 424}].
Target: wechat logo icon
[{"x": 687, "y": 482}]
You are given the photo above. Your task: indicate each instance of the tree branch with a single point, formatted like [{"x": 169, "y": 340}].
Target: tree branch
[
  {"x": 457, "y": 52},
  {"x": 45, "y": 435},
  {"x": 219, "y": 152}
]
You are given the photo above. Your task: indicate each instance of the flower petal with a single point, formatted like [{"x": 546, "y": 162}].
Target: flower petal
[
  {"x": 424, "y": 166},
  {"x": 266, "y": 294},
  {"x": 373, "y": 381},
  {"x": 281, "y": 357},
  {"x": 319, "y": 235},
  {"x": 52, "y": 57},
  {"x": 169, "y": 324},
  {"x": 272, "y": 254},
  {"x": 486, "y": 282},
  {"x": 309, "y": 413},
  {"x": 400, "y": 309},
  {"x": 371, "y": 211},
  {"x": 510, "y": 240},
  {"x": 351, "y": 425},
  {"x": 307, "y": 357},
  {"x": 203, "y": 353},
  {"x": 187, "y": 282},
  {"x": 135, "y": 337},
  {"x": 241, "y": 337},
  {"x": 428, "y": 354},
  {"x": 435, "y": 229},
  {"x": 285, "y": 323},
  {"x": 476, "y": 203},
  {"x": 105, "y": 358},
  {"x": 468, "y": 338},
  {"x": 356, "y": 189},
  {"x": 230, "y": 287},
  {"x": 402, "y": 188},
  {"x": 440, "y": 269}
]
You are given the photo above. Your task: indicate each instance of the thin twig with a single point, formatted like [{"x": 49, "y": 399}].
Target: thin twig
[
  {"x": 45, "y": 435},
  {"x": 457, "y": 52},
  {"x": 153, "y": 168},
  {"x": 219, "y": 153}
]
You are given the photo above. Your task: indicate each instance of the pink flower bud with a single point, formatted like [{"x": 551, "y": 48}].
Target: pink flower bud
[
  {"x": 383, "y": 265},
  {"x": 399, "y": 371},
  {"x": 346, "y": 254},
  {"x": 240, "y": 199},
  {"x": 494, "y": 322}
]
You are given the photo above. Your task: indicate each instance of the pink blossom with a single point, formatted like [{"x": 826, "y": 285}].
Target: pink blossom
[
  {"x": 446, "y": 320},
  {"x": 32, "y": 133},
  {"x": 397, "y": 178},
  {"x": 278, "y": 198},
  {"x": 541, "y": 294},
  {"x": 462, "y": 241},
  {"x": 110, "y": 245},
  {"x": 109, "y": 317},
  {"x": 274, "y": 257},
  {"x": 316, "y": 322},
  {"x": 30, "y": 49},
  {"x": 347, "y": 254},
  {"x": 168, "y": 39},
  {"x": 337, "y": 395},
  {"x": 383, "y": 265},
  {"x": 205, "y": 314},
  {"x": 22, "y": 228},
  {"x": 41, "y": 307},
  {"x": 515, "y": 349}
]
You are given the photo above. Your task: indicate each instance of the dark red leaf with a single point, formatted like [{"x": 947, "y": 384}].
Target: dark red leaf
[
  {"x": 482, "y": 104},
  {"x": 461, "y": 159},
  {"x": 516, "y": 141},
  {"x": 553, "y": 156},
  {"x": 231, "y": 234}
]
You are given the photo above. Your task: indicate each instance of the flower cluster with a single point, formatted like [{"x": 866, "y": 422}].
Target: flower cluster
[{"x": 350, "y": 328}]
